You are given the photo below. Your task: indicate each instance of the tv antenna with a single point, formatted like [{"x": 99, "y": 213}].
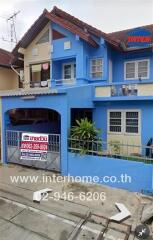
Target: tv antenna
[{"x": 12, "y": 19}]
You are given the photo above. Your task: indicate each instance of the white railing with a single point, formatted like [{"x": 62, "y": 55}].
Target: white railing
[{"x": 70, "y": 81}]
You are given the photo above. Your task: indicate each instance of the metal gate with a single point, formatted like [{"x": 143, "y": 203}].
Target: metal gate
[{"x": 13, "y": 144}]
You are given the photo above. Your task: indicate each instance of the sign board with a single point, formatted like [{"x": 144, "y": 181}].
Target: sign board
[
  {"x": 139, "y": 37},
  {"x": 34, "y": 146}
]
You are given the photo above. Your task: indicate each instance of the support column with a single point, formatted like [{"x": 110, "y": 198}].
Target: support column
[{"x": 4, "y": 122}]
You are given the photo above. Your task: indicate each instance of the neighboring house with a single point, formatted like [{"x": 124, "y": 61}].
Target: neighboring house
[
  {"x": 74, "y": 70},
  {"x": 8, "y": 78}
]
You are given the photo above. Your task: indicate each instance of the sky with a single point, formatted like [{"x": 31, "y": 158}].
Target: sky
[{"x": 107, "y": 15}]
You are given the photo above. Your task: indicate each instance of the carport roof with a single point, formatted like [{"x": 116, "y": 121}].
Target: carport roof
[{"x": 31, "y": 92}]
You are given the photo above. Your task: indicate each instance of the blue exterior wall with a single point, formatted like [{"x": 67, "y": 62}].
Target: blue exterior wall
[
  {"x": 75, "y": 52},
  {"x": 140, "y": 174},
  {"x": 82, "y": 54},
  {"x": 146, "y": 107},
  {"x": 119, "y": 59},
  {"x": 57, "y": 66}
]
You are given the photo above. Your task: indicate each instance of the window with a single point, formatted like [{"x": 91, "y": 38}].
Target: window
[
  {"x": 125, "y": 122},
  {"x": 69, "y": 71},
  {"x": 130, "y": 70},
  {"x": 143, "y": 67},
  {"x": 137, "y": 69},
  {"x": 67, "y": 45},
  {"x": 44, "y": 38},
  {"x": 115, "y": 121},
  {"x": 97, "y": 68},
  {"x": 40, "y": 73},
  {"x": 132, "y": 120}
]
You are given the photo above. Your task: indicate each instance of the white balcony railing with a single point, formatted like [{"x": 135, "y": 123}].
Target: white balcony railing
[
  {"x": 124, "y": 90},
  {"x": 70, "y": 81}
]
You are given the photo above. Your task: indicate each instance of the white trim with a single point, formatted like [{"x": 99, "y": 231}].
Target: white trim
[
  {"x": 72, "y": 69},
  {"x": 102, "y": 69},
  {"x": 136, "y": 69},
  {"x": 123, "y": 121},
  {"x": 108, "y": 120}
]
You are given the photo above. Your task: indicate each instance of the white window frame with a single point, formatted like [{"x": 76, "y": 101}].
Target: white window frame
[
  {"x": 136, "y": 69},
  {"x": 72, "y": 69},
  {"x": 102, "y": 67},
  {"x": 123, "y": 121}
]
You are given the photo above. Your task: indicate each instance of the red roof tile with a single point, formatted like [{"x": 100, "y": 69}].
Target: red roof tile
[
  {"x": 5, "y": 58},
  {"x": 84, "y": 26},
  {"x": 72, "y": 28},
  {"x": 122, "y": 35},
  {"x": 76, "y": 26}
]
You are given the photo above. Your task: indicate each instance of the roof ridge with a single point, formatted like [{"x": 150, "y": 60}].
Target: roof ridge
[
  {"x": 57, "y": 10},
  {"x": 90, "y": 28},
  {"x": 72, "y": 27}
]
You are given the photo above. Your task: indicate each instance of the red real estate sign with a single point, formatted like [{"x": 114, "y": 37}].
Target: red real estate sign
[{"x": 34, "y": 146}]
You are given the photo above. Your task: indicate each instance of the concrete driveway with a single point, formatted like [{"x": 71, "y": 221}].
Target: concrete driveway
[{"x": 61, "y": 219}]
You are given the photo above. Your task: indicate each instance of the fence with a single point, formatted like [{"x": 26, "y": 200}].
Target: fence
[
  {"x": 13, "y": 139},
  {"x": 48, "y": 161},
  {"x": 112, "y": 149}
]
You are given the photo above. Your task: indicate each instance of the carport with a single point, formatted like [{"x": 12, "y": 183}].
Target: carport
[
  {"x": 21, "y": 116},
  {"x": 27, "y": 124}
]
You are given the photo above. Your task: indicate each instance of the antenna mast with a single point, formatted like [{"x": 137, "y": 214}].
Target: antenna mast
[{"x": 12, "y": 19}]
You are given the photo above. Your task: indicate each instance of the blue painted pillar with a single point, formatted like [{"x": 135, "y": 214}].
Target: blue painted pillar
[
  {"x": 80, "y": 64},
  {"x": 64, "y": 139},
  {"x": 5, "y": 122},
  {"x": 64, "y": 146},
  {"x": 106, "y": 64}
]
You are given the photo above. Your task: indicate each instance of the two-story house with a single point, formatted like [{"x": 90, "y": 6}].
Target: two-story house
[{"x": 73, "y": 70}]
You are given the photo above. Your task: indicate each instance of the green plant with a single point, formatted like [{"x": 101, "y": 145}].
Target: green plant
[
  {"x": 115, "y": 146},
  {"x": 85, "y": 137}
]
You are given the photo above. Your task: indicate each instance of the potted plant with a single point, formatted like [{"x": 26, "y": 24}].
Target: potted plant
[{"x": 115, "y": 148}]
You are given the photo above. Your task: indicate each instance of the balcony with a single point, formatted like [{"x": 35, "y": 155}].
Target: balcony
[
  {"x": 65, "y": 82},
  {"x": 124, "y": 91},
  {"x": 40, "y": 84}
]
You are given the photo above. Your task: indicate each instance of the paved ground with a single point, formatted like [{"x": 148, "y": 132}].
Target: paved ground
[{"x": 21, "y": 218}]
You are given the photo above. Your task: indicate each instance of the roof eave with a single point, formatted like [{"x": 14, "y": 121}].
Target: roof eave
[{"x": 72, "y": 28}]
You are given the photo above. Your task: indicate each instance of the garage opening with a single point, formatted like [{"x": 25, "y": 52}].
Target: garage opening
[{"x": 33, "y": 138}]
